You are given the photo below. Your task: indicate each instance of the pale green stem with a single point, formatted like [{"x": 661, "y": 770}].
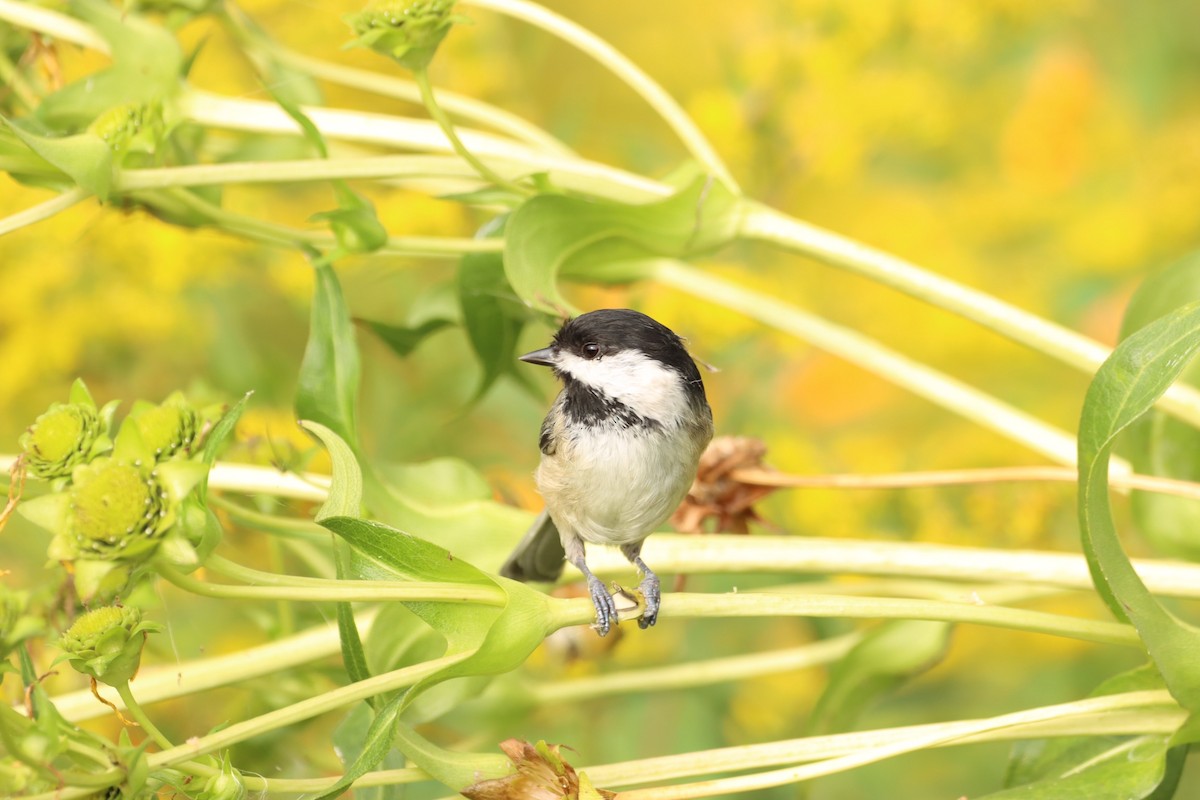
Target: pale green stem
[
  {"x": 158, "y": 683},
  {"x": 272, "y": 523},
  {"x": 273, "y": 233},
  {"x": 628, "y": 72},
  {"x": 918, "y": 378},
  {"x": 688, "y": 554},
  {"x": 698, "y": 673},
  {"x": 11, "y": 80},
  {"x": 1151, "y": 712},
  {"x": 439, "y": 116},
  {"x": 52, "y": 23},
  {"x": 318, "y": 589},
  {"x": 44, "y": 210},
  {"x": 462, "y": 106},
  {"x": 678, "y": 605},
  {"x": 767, "y": 224},
  {"x": 142, "y": 719},
  {"x": 305, "y": 709},
  {"x": 257, "y": 783},
  {"x": 573, "y": 174}
]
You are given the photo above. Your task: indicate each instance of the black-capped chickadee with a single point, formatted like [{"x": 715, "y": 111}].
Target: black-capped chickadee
[{"x": 619, "y": 448}]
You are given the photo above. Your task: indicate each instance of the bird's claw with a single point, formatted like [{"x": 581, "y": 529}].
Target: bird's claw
[
  {"x": 652, "y": 594},
  {"x": 606, "y": 607}
]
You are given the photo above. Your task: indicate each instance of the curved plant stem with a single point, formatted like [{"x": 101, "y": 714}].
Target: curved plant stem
[
  {"x": 628, "y": 72},
  {"x": 767, "y": 224},
  {"x": 52, "y": 23},
  {"x": 143, "y": 720},
  {"x": 675, "y": 553},
  {"x": 421, "y": 76},
  {"x": 698, "y": 673},
  {"x": 922, "y": 380},
  {"x": 257, "y": 783},
  {"x": 840, "y": 752},
  {"x": 318, "y": 589},
  {"x": 298, "y": 712},
  {"x": 273, "y": 523},
  {"x": 42, "y": 211},
  {"x": 580, "y": 611}
]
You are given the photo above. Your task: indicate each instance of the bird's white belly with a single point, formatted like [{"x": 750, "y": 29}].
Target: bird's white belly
[{"x": 616, "y": 486}]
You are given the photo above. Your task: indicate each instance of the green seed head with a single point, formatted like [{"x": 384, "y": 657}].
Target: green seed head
[
  {"x": 116, "y": 510},
  {"x": 61, "y": 439},
  {"x": 225, "y": 785},
  {"x": 407, "y": 30},
  {"x": 167, "y": 429},
  {"x": 107, "y": 643},
  {"x": 130, "y": 126}
]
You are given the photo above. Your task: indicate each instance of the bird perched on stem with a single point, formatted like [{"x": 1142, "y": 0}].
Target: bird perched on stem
[{"x": 619, "y": 448}]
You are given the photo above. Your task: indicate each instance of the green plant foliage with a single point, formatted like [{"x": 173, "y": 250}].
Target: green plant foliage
[
  {"x": 1158, "y": 444},
  {"x": 329, "y": 372},
  {"x": 1128, "y": 383},
  {"x": 547, "y": 232}
]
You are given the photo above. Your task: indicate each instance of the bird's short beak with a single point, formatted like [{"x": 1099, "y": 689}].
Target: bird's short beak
[{"x": 545, "y": 357}]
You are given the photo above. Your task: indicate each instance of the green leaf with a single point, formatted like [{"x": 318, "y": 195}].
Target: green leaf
[
  {"x": 346, "y": 488},
  {"x": 1125, "y": 387},
  {"x": 215, "y": 441},
  {"x": 329, "y": 372},
  {"x": 403, "y": 340},
  {"x": 1159, "y": 444},
  {"x": 883, "y": 660},
  {"x": 84, "y": 157},
  {"x": 1127, "y": 770},
  {"x": 488, "y": 639},
  {"x": 147, "y": 65},
  {"x": 547, "y": 232},
  {"x": 438, "y": 484}
]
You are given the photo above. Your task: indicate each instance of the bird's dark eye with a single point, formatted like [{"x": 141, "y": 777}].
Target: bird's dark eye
[{"x": 591, "y": 350}]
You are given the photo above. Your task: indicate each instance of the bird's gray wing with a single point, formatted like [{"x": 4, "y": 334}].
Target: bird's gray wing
[{"x": 539, "y": 556}]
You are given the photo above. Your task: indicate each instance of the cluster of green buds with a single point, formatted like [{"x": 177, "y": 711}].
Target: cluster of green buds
[
  {"x": 67, "y": 435},
  {"x": 225, "y": 785},
  {"x": 121, "y": 500},
  {"x": 406, "y": 30},
  {"x": 106, "y": 643},
  {"x": 131, "y": 127}
]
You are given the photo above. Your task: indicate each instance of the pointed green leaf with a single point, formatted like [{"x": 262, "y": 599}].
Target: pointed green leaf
[
  {"x": 403, "y": 340},
  {"x": 346, "y": 488},
  {"x": 1125, "y": 387},
  {"x": 329, "y": 373},
  {"x": 1126, "y": 770}
]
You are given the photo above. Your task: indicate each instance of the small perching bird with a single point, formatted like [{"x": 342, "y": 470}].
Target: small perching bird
[{"x": 619, "y": 448}]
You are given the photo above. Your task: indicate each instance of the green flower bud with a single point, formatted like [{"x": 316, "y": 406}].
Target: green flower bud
[
  {"x": 407, "y": 30},
  {"x": 67, "y": 435},
  {"x": 225, "y": 785},
  {"x": 131, "y": 127},
  {"x": 167, "y": 429},
  {"x": 107, "y": 643},
  {"x": 15, "y": 777},
  {"x": 117, "y": 510}
]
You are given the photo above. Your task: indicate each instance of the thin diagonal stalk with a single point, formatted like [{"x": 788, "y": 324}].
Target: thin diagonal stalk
[
  {"x": 918, "y": 378},
  {"x": 629, "y": 73},
  {"x": 769, "y": 225},
  {"x": 44, "y": 210}
]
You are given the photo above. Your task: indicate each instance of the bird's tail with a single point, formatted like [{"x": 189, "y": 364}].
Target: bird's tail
[{"x": 539, "y": 556}]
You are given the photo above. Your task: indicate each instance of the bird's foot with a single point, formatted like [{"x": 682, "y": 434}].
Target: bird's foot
[
  {"x": 606, "y": 607},
  {"x": 652, "y": 594}
]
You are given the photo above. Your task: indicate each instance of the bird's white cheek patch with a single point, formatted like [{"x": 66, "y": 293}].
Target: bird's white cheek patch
[{"x": 648, "y": 387}]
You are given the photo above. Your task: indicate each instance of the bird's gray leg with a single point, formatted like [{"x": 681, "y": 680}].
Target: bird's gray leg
[
  {"x": 606, "y": 609},
  {"x": 648, "y": 587}
]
